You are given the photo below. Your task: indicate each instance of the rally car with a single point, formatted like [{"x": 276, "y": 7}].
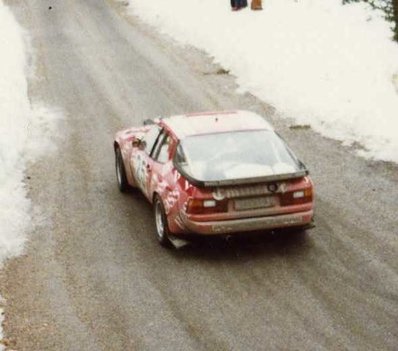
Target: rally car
[{"x": 214, "y": 173}]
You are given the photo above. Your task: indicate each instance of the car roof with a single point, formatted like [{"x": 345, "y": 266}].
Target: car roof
[{"x": 214, "y": 122}]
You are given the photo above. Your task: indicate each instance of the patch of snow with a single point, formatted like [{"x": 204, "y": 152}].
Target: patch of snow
[
  {"x": 331, "y": 66},
  {"x": 15, "y": 114},
  {"x": 23, "y": 135}
]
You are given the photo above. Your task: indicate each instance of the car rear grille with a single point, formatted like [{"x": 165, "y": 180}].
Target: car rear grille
[{"x": 245, "y": 191}]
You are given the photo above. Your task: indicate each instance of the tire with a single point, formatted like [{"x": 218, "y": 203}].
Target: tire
[
  {"x": 162, "y": 228},
  {"x": 120, "y": 172}
]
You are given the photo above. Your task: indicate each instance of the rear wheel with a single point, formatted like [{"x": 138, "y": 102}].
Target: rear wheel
[
  {"x": 120, "y": 172},
  {"x": 162, "y": 229}
]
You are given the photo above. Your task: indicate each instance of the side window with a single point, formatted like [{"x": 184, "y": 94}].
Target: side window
[
  {"x": 150, "y": 138},
  {"x": 161, "y": 153},
  {"x": 180, "y": 156}
]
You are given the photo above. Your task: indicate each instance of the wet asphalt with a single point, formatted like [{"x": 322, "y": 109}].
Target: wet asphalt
[{"x": 93, "y": 276}]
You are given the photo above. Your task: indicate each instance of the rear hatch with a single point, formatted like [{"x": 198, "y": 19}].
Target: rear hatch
[{"x": 248, "y": 173}]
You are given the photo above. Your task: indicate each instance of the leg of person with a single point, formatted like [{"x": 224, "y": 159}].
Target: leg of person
[{"x": 256, "y": 5}]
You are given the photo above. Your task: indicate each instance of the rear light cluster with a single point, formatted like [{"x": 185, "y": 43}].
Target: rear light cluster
[
  {"x": 199, "y": 206},
  {"x": 297, "y": 197}
]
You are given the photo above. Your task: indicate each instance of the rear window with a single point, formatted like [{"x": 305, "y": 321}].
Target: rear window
[{"x": 236, "y": 155}]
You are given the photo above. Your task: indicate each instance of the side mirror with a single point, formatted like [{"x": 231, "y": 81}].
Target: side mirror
[{"x": 141, "y": 144}]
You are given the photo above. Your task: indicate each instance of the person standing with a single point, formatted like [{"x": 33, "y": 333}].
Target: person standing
[
  {"x": 238, "y": 4},
  {"x": 256, "y": 5}
]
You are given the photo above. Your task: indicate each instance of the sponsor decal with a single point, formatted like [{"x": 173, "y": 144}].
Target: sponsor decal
[{"x": 139, "y": 165}]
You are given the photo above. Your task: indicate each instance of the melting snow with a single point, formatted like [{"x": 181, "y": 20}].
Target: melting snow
[{"x": 331, "y": 66}]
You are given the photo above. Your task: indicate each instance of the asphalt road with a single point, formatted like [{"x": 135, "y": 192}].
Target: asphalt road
[{"x": 93, "y": 276}]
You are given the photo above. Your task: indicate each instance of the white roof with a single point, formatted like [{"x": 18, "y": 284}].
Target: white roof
[{"x": 215, "y": 122}]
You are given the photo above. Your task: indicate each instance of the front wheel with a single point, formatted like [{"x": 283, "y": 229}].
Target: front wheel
[
  {"x": 162, "y": 229},
  {"x": 120, "y": 172}
]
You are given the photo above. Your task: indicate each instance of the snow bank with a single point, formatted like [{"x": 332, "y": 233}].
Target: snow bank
[
  {"x": 20, "y": 126},
  {"x": 23, "y": 133},
  {"x": 331, "y": 66},
  {"x": 14, "y": 120}
]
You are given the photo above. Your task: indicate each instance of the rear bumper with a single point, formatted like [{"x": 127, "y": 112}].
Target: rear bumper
[{"x": 248, "y": 224}]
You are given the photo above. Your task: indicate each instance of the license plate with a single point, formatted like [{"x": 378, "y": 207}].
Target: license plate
[{"x": 253, "y": 203}]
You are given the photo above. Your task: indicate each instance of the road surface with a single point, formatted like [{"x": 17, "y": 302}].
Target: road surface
[{"x": 93, "y": 276}]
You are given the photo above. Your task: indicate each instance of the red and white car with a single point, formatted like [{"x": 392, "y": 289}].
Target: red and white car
[{"x": 214, "y": 173}]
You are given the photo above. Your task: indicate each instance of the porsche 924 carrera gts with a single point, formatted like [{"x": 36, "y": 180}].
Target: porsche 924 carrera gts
[{"x": 214, "y": 173}]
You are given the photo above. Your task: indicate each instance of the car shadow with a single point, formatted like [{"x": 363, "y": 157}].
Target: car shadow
[
  {"x": 247, "y": 245},
  {"x": 235, "y": 247}
]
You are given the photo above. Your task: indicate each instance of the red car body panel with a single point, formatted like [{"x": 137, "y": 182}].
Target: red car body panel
[{"x": 176, "y": 191}]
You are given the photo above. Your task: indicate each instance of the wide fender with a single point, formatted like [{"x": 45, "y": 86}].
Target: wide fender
[{"x": 124, "y": 141}]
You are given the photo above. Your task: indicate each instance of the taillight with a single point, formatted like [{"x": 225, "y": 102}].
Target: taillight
[
  {"x": 199, "y": 206},
  {"x": 297, "y": 197}
]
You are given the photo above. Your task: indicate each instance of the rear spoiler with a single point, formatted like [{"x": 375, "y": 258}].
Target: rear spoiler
[{"x": 252, "y": 180}]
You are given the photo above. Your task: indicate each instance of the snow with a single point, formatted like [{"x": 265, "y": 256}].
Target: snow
[
  {"x": 14, "y": 112},
  {"x": 24, "y": 136},
  {"x": 23, "y": 133},
  {"x": 331, "y": 66}
]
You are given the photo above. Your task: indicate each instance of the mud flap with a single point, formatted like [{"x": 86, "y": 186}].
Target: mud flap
[
  {"x": 310, "y": 225},
  {"x": 177, "y": 242}
]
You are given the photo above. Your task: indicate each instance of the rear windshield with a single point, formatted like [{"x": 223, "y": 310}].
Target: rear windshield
[{"x": 236, "y": 155}]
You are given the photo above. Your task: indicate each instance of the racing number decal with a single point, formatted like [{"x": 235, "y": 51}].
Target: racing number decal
[{"x": 139, "y": 165}]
